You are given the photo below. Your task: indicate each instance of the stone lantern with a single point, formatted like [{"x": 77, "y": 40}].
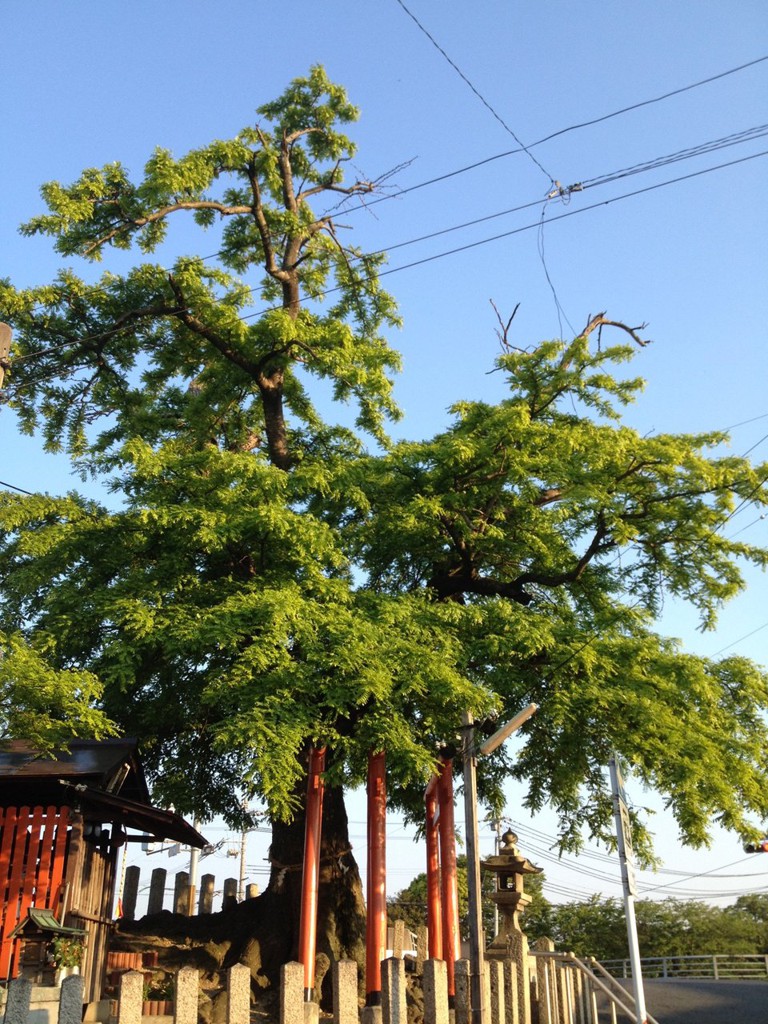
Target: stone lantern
[
  {"x": 511, "y": 944},
  {"x": 510, "y": 868}
]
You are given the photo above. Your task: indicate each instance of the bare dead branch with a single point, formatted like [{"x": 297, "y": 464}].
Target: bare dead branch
[
  {"x": 600, "y": 321},
  {"x": 503, "y": 333}
]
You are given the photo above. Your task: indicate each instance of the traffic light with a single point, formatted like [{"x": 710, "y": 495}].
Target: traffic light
[{"x": 759, "y": 847}]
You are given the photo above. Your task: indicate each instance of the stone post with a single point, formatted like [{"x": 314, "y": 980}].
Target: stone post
[
  {"x": 156, "y": 891},
  {"x": 436, "y": 992},
  {"x": 545, "y": 985},
  {"x": 186, "y": 996},
  {"x": 398, "y": 939},
  {"x": 497, "y": 1001},
  {"x": 230, "y": 894},
  {"x": 238, "y": 994},
  {"x": 181, "y": 893},
  {"x": 130, "y": 892},
  {"x": 19, "y": 996},
  {"x": 462, "y": 1008},
  {"x": 71, "y": 1000},
  {"x": 511, "y": 992},
  {"x": 393, "y": 1002},
  {"x": 131, "y": 996},
  {"x": 292, "y": 1005},
  {"x": 421, "y": 947},
  {"x": 344, "y": 979},
  {"x": 371, "y": 1015},
  {"x": 251, "y": 891},
  {"x": 205, "y": 903}
]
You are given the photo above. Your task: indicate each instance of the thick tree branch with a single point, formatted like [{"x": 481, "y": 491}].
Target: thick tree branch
[
  {"x": 128, "y": 223},
  {"x": 202, "y": 330},
  {"x": 600, "y": 321}
]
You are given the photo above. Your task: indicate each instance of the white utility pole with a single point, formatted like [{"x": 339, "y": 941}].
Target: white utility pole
[{"x": 627, "y": 859}]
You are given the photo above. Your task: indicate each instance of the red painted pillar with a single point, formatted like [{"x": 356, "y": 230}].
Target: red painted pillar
[
  {"x": 450, "y": 891},
  {"x": 434, "y": 908},
  {"x": 376, "y": 918},
  {"x": 311, "y": 875}
]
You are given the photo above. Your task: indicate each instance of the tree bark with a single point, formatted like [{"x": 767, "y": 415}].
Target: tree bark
[{"x": 341, "y": 906}]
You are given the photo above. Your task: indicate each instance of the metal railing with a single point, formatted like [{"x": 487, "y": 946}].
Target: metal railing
[
  {"x": 574, "y": 991},
  {"x": 720, "y": 966}
]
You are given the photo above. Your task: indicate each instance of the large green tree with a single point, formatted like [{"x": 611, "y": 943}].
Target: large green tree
[
  {"x": 266, "y": 582},
  {"x": 597, "y": 927}
]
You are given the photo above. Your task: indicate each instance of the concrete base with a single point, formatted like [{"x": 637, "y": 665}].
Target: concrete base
[
  {"x": 100, "y": 1011},
  {"x": 44, "y": 1004}
]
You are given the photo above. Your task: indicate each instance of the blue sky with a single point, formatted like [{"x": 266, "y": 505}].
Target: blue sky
[{"x": 92, "y": 81}]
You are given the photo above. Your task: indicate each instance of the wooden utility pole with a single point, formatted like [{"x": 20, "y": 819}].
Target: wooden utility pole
[{"x": 6, "y": 336}]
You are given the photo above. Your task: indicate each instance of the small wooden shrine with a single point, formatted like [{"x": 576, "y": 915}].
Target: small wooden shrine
[
  {"x": 63, "y": 820},
  {"x": 38, "y": 935}
]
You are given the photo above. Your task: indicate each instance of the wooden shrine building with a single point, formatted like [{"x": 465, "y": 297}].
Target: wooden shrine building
[{"x": 63, "y": 821}]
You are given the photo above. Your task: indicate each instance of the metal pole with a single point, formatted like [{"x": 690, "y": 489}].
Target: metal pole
[
  {"x": 626, "y": 857},
  {"x": 311, "y": 876},
  {"x": 476, "y": 934},
  {"x": 376, "y": 918}
]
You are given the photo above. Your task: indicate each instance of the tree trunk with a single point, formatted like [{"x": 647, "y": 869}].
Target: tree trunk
[
  {"x": 263, "y": 933},
  {"x": 341, "y": 905}
]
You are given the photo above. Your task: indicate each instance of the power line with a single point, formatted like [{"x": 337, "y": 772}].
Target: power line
[
  {"x": 463, "y": 248},
  {"x": 562, "y": 131},
  {"x": 482, "y": 99},
  {"x": 13, "y": 487},
  {"x": 570, "y": 213},
  {"x": 741, "y": 638}
]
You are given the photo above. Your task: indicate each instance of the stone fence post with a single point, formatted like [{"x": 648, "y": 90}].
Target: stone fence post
[
  {"x": 156, "y": 891},
  {"x": 344, "y": 978},
  {"x": 131, "y": 997},
  {"x": 238, "y": 994},
  {"x": 462, "y": 1006},
  {"x": 19, "y": 998},
  {"x": 435, "y": 982},
  {"x": 130, "y": 892},
  {"x": 393, "y": 1002},
  {"x": 186, "y": 996},
  {"x": 545, "y": 983}
]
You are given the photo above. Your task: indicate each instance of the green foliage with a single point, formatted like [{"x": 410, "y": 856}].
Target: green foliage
[
  {"x": 556, "y": 537},
  {"x": 167, "y": 349},
  {"x": 410, "y": 904},
  {"x": 67, "y": 951},
  {"x": 597, "y": 927},
  {"x": 267, "y": 583},
  {"x": 46, "y": 706}
]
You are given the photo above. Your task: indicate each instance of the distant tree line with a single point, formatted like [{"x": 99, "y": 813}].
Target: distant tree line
[{"x": 597, "y": 927}]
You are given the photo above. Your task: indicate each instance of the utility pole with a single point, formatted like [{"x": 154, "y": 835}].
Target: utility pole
[
  {"x": 241, "y": 880},
  {"x": 627, "y": 860},
  {"x": 194, "y": 863},
  {"x": 478, "y": 1013},
  {"x": 6, "y": 336},
  {"x": 476, "y": 930}
]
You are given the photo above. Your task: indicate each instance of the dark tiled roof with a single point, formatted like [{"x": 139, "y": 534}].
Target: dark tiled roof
[{"x": 111, "y": 765}]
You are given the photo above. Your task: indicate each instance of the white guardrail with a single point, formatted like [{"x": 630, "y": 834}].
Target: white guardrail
[{"x": 721, "y": 965}]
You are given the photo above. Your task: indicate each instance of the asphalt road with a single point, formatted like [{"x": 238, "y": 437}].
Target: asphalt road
[{"x": 707, "y": 1002}]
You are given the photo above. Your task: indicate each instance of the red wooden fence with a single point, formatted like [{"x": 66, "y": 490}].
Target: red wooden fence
[{"x": 33, "y": 850}]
